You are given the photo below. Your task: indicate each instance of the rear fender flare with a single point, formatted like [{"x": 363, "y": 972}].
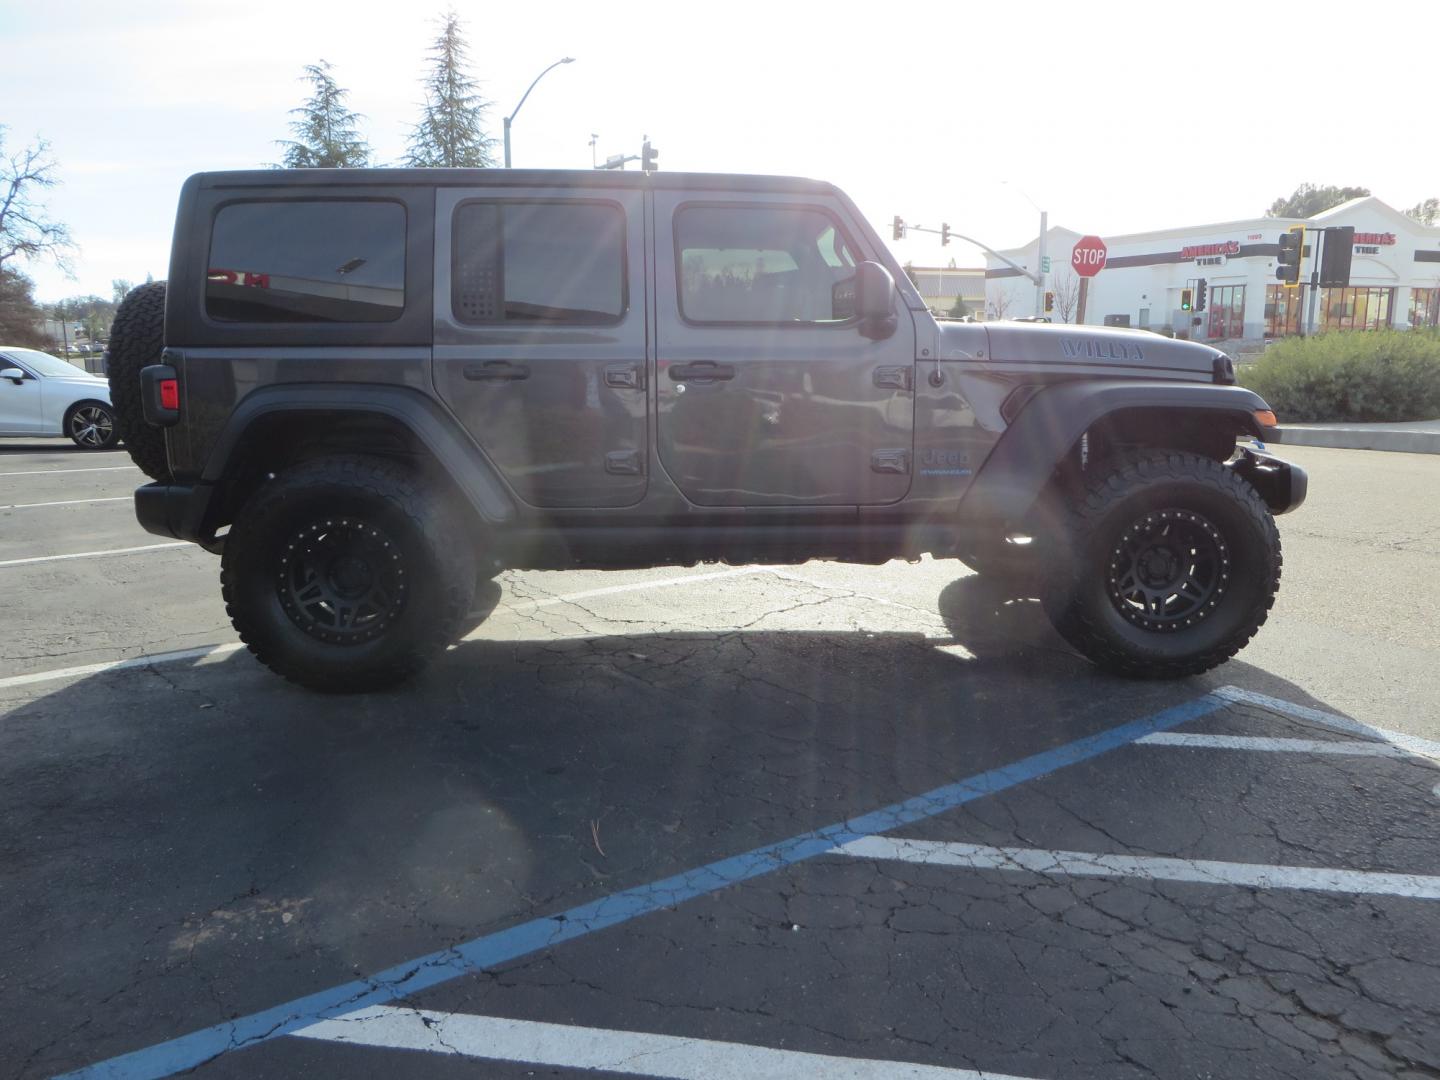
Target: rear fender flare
[{"x": 451, "y": 447}]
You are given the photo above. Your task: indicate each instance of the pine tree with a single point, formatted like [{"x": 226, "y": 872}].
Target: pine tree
[
  {"x": 450, "y": 133},
  {"x": 327, "y": 135}
]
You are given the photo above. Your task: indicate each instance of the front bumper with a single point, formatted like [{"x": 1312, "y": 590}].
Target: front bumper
[
  {"x": 178, "y": 510},
  {"x": 1281, "y": 484}
]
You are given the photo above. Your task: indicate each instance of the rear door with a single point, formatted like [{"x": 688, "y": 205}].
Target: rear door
[
  {"x": 767, "y": 393},
  {"x": 540, "y": 317}
]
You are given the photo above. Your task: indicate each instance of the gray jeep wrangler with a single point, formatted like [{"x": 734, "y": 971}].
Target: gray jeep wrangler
[{"x": 370, "y": 389}]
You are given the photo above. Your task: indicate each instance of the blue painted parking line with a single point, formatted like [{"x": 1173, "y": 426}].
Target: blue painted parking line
[{"x": 422, "y": 973}]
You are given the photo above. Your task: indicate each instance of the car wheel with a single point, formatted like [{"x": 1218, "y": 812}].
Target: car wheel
[
  {"x": 1173, "y": 565},
  {"x": 91, "y": 425},
  {"x": 347, "y": 573},
  {"x": 137, "y": 337}
]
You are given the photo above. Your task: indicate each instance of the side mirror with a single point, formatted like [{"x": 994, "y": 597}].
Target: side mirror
[
  {"x": 875, "y": 301},
  {"x": 14, "y": 374}
]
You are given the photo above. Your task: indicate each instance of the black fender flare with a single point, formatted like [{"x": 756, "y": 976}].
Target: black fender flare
[
  {"x": 1024, "y": 458},
  {"x": 450, "y": 445}
]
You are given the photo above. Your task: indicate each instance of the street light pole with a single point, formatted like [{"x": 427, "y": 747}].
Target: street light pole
[
  {"x": 1040, "y": 253},
  {"x": 508, "y": 119}
]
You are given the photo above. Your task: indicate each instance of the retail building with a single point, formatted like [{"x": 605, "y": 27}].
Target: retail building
[{"x": 1394, "y": 277}]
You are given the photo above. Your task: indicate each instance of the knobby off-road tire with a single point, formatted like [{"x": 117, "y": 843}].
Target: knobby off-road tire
[
  {"x": 137, "y": 337},
  {"x": 1174, "y": 563},
  {"x": 347, "y": 573}
]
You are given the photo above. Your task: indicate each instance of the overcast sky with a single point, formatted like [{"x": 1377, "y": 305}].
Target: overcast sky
[{"x": 1116, "y": 117}]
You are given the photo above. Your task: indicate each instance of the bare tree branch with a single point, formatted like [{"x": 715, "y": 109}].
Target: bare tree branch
[{"x": 26, "y": 231}]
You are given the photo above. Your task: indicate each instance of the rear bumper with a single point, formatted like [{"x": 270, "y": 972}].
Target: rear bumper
[
  {"x": 178, "y": 510},
  {"x": 1282, "y": 485}
]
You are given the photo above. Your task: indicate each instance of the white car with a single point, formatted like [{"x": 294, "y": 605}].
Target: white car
[{"x": 42, "y": 396}]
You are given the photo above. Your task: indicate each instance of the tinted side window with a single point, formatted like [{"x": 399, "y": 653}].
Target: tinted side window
[
  {"x": 763, "y": 265},
  {"x": 333, "y": 261},
  {"x": 543, "y": 263}
]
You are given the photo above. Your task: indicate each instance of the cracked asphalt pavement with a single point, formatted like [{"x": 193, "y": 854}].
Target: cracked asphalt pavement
[{"x": 190, "y": 843}]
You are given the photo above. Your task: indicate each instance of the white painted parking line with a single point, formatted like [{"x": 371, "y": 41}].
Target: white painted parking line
[
  {"x": 1144, "y": 867},
  {"x": 84, "y": 670},
  {"x": 627, "y": 1052},
  {"x": 95, "y": 554},
  {"x": 58, "y": 472},
  {"x": 81, "y": 670},
  {"x": 1267, "y": 745},
  {"x": 1413, "y": 743},
  {"x": 66, "y": 502}
]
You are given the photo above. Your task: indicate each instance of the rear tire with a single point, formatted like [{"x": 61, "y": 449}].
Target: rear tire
[
  {"x": 1173, "y": 565},
  {"x": 347, "y": 573},
  {"x": 91, "y": 425},
  {"x": 137, "y": 337}
]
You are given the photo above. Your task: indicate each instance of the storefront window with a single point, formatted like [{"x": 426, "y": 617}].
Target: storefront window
[
  {"x": 1282, "y": 310},
  {"x": 1356, "y": 309},
  {"x": 1425, "y": 307},
  {"x": 1226, "y": 308}
]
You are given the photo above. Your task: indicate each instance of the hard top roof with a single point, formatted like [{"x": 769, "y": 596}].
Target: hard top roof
[{"x": 588, "y": 178}]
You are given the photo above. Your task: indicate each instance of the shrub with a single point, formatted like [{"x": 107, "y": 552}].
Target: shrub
[{"x": 1382, "y": 375}]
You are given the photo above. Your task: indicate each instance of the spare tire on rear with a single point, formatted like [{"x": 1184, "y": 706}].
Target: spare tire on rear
[{"x": 137, "y": 337}]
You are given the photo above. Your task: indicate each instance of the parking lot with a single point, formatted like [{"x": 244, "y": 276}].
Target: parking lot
[{"x": 819, "y": 821}]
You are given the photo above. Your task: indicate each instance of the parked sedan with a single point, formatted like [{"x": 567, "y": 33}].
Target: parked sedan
[{"x": 42, "y": 396}]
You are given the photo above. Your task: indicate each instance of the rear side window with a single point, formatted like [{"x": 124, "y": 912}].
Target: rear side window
[
  {"x": 307, "y": 262},
  {"x": 538, "y": 263}
]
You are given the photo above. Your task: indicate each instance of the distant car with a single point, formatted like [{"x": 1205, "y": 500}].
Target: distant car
[{"x": 42, "y": 396}]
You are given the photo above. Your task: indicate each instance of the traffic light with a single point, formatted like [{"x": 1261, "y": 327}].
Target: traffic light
[
  {"x": 898, "y": 228},
  {"x": 1335, "y": 257},
  {"x": 1292, "y": 243},
  {"x": 944, "y": 234},
  {"x": 1187, "y": 299},
  {"x": 648, "y": 154},
  {"x": 1049, "y": 302},
  {"x": 1200, "y": 291}
]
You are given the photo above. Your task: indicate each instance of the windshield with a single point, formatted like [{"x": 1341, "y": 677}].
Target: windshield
[{"x": 44, "y": 363}]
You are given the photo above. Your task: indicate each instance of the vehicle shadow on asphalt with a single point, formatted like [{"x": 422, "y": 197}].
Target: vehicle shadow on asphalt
[{"x": 192, "y": 841}]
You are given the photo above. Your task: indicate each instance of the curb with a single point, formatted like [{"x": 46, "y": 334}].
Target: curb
[{"x": 1360, "y": 438}]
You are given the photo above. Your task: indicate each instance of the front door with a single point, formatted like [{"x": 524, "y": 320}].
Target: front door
[
  {"x": 19, "y": 401},
  {"x": 767, "y": 393},
  {"x": 540, "y": 337}
]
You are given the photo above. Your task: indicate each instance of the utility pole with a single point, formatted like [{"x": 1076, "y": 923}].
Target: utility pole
[
  {"x": 511, "y": 117},
  {"x": 1040, "y": 278}
]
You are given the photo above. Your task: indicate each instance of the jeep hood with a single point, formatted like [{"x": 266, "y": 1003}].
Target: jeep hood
[{"x": 1095, "y": 350}]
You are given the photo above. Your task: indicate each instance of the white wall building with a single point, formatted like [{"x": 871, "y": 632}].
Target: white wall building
[{"x": 1394, "y": 277}]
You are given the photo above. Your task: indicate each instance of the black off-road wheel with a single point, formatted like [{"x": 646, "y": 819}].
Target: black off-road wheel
[
  {"x": 91, "y": 425},
  {"x": 348, "y": 573},
  {"x": 1173, "y": 565},
  {"x": 137, "y": 337}
]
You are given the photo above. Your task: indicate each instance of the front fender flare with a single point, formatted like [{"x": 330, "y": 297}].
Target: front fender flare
[{"x": 1025, "y": 457}]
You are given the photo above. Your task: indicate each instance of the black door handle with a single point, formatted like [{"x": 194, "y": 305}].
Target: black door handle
[
  {"x": 701, "y": 371},
  {"x": 497, "y": 370}
]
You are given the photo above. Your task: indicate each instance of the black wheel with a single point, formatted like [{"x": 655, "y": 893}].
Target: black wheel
[
  {"x": 347, "y": 574},
  {"x": 91, "y": 425},
  {"x": 1174, "y": 563},
  {"x": 137, "y": 337}
]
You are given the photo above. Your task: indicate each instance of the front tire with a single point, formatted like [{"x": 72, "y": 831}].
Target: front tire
[
  {"x": 91, "y": 425},
  {"x": 1173, "y": 566},
  {"x": 347, "y": 573}
]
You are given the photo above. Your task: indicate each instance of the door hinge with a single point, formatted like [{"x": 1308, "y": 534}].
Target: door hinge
[
  {"x": 894, "y": 378},
  {"x": 624, "y": 377},
  {"x": 890, "y": 461},
  {"x": 623, "y": 462}
]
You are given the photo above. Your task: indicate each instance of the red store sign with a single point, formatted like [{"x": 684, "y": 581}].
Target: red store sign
[
  {"x": 1375, "y": 238},
  {"x": 1200, "y": 251}
]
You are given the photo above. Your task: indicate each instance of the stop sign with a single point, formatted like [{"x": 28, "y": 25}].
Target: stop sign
[{"x": 1088, "y": 258}]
